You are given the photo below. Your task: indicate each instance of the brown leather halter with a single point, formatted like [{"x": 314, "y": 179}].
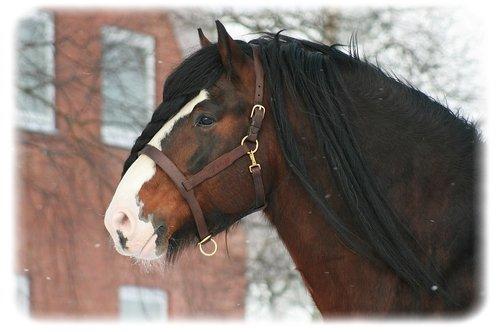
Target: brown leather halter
[{"x": 187, "y": 185}]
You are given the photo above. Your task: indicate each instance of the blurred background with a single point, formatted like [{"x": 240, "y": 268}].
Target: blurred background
[{"x": 88, "y": 82}]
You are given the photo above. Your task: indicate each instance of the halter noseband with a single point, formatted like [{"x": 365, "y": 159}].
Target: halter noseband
[{"x": 186, "y": 185}]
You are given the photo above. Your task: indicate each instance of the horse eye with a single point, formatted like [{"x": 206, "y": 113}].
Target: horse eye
[{"x": 204, "y": 121}]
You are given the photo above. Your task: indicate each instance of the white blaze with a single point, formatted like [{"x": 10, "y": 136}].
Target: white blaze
[{"x": 142, "y": 170}]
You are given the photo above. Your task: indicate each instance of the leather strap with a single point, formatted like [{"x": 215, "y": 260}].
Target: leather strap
[
  {"x": 259, "y": 76},
  {"x": 260, "y": 194},
  {"x": 256, "y": 118},
  {"x": 215, "y": 167},
  {"x": 178, "y": 178},
  {"x": 255, "y": 124},
  {"x": 258, "y": 110}
]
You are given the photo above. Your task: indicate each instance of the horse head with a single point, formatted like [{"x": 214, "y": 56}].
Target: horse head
[{"x": 149, "y": 215}]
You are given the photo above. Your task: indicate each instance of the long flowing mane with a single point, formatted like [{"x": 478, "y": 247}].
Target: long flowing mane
[{"x": 308, "y": 72}]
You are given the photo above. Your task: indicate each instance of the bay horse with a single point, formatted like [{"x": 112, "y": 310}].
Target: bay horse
[{"x": 370, "y": 184}]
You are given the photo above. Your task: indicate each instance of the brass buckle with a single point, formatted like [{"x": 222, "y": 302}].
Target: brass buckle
[
  {"x": 204, "y": 241},
  {"x": 257, "y": 107}
]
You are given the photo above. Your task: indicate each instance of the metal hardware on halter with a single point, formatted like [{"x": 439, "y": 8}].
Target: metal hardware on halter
[
  {"x": 254, "y": 162},
  {"x": 204, "y": 241},
  {"x": 256, "y": 145},
  {"x": 257, "y": 107},
  {"x": 251, "y": 153}
]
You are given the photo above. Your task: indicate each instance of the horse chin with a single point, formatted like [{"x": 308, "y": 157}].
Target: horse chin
[
  {"x": 148, "y": 256},
  {"x": 150, "y": 251},
  {"x": 181, "y": 239},
  {"x": 143, "y": 250}
]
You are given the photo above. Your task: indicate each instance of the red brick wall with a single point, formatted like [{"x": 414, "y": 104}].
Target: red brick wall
[{"x": 66, "y": 179}]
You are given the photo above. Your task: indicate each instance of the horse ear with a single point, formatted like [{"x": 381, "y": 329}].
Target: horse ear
[
  {"x": 204, "y": 42},
  {"x": 232, "y": 56}
]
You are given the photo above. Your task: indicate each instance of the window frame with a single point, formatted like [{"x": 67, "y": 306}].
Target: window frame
[
  {"x": 143, "y": 296},
  {"x": 23, "y": 293},
  {"x": 112, "y": 134},
  {"x": 30, "y": 121}
]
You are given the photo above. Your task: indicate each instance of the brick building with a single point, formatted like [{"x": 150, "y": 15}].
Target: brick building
[{"x": 88, "y": 82}]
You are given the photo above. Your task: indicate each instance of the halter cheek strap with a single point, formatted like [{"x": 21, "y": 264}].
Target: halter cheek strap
[{"x": 249, "y": 146}]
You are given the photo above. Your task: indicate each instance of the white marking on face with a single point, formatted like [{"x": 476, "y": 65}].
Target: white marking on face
[{"x": 125, "y": 199}]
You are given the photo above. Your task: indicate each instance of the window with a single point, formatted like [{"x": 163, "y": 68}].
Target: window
[
  {"x": 23, "y": 293},
  {"x": 128, "y": 85},
  {"x": 35, "y": 73},
  {"x": 142, "y": 303}
]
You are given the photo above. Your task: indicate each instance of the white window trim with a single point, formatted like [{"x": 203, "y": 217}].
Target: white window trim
[
  {"x": 144, "y": 295},
  {"x": 115, "y": 135},
  {"x": 23, "y": 293},
  {"x": 45, "y": 122}
]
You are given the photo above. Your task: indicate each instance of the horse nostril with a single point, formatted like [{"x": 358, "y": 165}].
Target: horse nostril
[
  {"x": 122, "y": 223},
  {"x": 123, "y": 240},
  {"x": 161, "y": 231}
]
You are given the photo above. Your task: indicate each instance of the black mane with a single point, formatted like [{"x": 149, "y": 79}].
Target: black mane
[{"x": 308, "y": 72}]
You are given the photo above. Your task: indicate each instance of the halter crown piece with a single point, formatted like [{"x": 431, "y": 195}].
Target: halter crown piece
[{"x": 249, "y": 146}]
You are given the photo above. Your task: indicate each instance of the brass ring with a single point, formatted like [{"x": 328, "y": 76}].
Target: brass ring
[
  {"x": 256, "y": 144},
  {"x": 208, "y": 254},
  {"x": 257, "y": 106}
]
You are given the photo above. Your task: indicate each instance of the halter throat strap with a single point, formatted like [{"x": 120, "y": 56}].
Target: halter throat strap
[{"x": 249, "y": 146}]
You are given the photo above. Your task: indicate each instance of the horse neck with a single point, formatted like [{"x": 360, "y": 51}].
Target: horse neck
[{"x": 338, "y": 280}]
